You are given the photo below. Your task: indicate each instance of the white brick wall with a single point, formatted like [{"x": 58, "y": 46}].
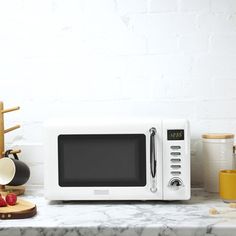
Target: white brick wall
[
  {"x": 174, "y": 58},
  {"x": 195, "y": 5},
  {"x": 162, "y": 6}
]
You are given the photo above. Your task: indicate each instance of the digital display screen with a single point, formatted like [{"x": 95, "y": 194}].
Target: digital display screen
[{"x": 175, "y": 134}]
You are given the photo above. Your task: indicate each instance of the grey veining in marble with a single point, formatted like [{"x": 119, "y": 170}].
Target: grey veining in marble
[{"x": 157, "y": 218}]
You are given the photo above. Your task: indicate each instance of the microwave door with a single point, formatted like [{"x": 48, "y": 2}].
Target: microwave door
[{"x": 100, "y": 160}]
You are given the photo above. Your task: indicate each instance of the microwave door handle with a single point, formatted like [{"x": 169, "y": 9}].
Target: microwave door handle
[{"x": 152, "y": 152}]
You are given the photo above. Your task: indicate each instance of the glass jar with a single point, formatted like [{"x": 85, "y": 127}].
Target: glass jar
[{"x": 217, "y": 155}]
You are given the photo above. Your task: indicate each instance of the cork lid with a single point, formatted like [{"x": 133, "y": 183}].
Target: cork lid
[{"x": 218, "y": 136}]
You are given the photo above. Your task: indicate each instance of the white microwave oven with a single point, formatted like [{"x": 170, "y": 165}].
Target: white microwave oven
[{"x": 117, "y": 159}]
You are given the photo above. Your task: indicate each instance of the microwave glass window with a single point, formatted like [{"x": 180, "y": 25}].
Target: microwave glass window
[{"x": 102, "y": 160}]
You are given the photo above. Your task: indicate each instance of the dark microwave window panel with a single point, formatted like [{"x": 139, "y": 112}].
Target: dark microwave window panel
[
  {"x": 175, "y": 134},
  {"x": 102, "y": 160}
]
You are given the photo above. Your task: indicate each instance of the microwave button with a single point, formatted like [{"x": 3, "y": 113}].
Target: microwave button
[
  {"x": 175, "y": 173},
  {"x": 175, "y": 153},
  {"x": 175, "y": 166},
  {"x": 175, "y": 147},
  {"x": 175, "y": 159}
]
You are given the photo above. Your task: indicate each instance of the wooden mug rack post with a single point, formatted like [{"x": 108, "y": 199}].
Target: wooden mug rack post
[{"x": 3, "y": 131}]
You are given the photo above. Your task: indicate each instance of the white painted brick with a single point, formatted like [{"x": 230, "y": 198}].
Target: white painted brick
[
  {"x": 72, "y": 8},
  {"x": 153, "y": 108},
  {"x": 131, "y": 6},
  {"x": 215, "y": 65},
  {"x": 31, "y": 152},
  {"x": 193, "y": 43},
  {"x": 136, "y": 88},
  {"x": 174, "y": 65},
  {"x": 223, "y": 43},
  {"x": 184, "y": 88},
  {"x": 26, "y": 135},
  {"x": 196, "y": 163},
  {"x": 138, "y": 24},
  {"x": 36, "y": 174},
  {"x": 224, "y": 6},
  {"x": 224, "y": 88},
  {"x": 216, "y": 23},
  {"x": 171, "y": 23},
  {"x": 43, "y": 7},
  {"x": 10, "y": 9},
  {"x": 159, "y": 65},
  {"x": 162, "y": 43},
  {"x": 222, "y": 125},
  {"x": 124, "y": 44},
  {"x": 171, "y": 87},
  {"x": 217, "y": 109},
  {"x": 159, "y": 92},
  {"x": 174, "y": 109},
  {"x": 94, "y": 7},
  {"x": 140, "y": 66},
  {"x": 192, "y": 88},
  {"x": 163, "y": 5},
  {"x": 195, "y": 5}
]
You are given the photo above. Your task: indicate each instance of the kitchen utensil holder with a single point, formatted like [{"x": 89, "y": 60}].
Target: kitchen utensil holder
[{"x": 18, "y": 190}]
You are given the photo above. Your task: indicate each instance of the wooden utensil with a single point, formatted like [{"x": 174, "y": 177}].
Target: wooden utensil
[{"x": 18, "y": 190}]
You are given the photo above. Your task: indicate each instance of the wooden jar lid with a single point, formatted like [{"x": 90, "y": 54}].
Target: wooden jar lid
[{"x": 218, "y": 136}]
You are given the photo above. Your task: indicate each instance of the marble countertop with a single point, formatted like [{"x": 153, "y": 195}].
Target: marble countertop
[{"x": 125, "y": 218}]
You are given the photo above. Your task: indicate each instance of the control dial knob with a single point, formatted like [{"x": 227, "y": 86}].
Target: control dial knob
[{"x": 175, "y": 183}]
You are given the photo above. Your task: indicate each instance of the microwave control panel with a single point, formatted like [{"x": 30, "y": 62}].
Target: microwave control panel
[
  {"x": 175, "y": 155},
  {"x": 176, "y": 161}
]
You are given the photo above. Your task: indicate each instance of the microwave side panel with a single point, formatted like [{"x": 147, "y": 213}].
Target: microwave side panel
[{"x": 176, "y": 160}]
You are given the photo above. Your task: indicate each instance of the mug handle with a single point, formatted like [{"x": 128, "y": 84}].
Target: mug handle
[
  {"x": 7, "y": 152},
  {"x": 234, "y": 156}
]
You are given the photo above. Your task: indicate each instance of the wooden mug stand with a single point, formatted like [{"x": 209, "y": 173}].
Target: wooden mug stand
[{"x": 18, "y": 190}]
